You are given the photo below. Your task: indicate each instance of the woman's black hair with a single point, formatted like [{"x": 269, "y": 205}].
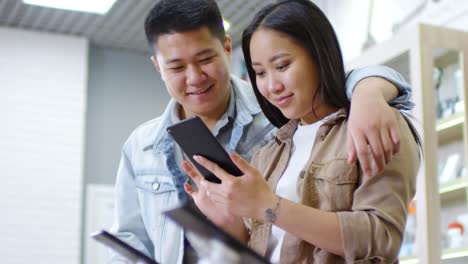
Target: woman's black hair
[{"x": 307, "y": 25}]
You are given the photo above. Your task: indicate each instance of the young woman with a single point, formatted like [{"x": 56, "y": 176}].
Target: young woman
[{"x": 305, "y": 203}]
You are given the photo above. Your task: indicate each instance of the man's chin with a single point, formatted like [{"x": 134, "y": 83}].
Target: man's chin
[{"x": 205, "y": 111}]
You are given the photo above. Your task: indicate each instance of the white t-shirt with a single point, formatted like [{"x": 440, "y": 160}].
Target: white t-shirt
[{"x": 302, "y": 143}]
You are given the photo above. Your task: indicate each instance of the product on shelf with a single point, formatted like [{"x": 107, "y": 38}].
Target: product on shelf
[{"x": 455, "y": 234}]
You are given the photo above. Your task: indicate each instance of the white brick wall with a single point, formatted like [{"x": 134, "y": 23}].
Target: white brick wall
[{"x": 43, "y": 79}]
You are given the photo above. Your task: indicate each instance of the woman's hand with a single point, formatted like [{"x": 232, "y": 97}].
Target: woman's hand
[
  {"x": 219, "y": 216},
  {"x": 245, "y": 196}
]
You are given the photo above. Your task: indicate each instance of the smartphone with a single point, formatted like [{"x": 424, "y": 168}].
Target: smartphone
[
  {"x": 194, "y": 138},
  {"x": 192, "y": 220},
  {"x": 122, "y": 248}
]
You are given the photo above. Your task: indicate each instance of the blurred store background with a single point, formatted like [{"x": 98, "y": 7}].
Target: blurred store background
[{"x": 74, "y": 84}]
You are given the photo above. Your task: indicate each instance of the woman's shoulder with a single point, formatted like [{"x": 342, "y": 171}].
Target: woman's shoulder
[
  {"x": 267, "y": 154},
  {"x": 266, "y": 150}
]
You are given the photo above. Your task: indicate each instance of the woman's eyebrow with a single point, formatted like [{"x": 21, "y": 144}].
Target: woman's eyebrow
[
  {"x": 272, "y": 59},
  {"x": 278, "y": 56}
]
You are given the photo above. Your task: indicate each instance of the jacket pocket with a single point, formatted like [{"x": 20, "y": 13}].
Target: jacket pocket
[
  {"x": 335, "y": 182},
  {"x": 155, "y": 184},
  {"x": 156, "y": 194}
]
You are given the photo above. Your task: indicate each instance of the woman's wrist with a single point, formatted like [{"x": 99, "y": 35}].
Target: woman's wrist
[
  {"x": 230, "y": 221},
  {"x": 268, "y": 210},
  {"x": 236, "y": 227}
]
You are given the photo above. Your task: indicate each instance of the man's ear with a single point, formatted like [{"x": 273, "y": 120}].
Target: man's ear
[
  {"x": 228, "y": 46},
  {"x": 155, "y": 63}
]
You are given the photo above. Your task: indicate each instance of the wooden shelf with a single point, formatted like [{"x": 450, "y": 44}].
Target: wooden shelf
[
  {"x": 450, "y": 128},
  {"x": 416, "y": 51},
  {"x": 447, "y": 254},
  {"x": 455, "y": 253},
  {"x": 453, "y": 190},
  {"x": 409, "y": 260},
  {"x": 446, "y": 57}
]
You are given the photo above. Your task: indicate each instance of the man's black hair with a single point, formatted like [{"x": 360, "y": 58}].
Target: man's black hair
[{"x": 171, "y": 16}]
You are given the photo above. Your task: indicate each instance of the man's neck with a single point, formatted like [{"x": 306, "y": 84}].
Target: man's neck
[{"x": 209, "y": 120}]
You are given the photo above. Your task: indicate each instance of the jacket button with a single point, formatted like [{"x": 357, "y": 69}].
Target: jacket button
[{"x": 155, "y": 186}]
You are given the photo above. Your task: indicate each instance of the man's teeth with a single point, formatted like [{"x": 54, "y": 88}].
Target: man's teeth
[{"x": 202, "y": 91}]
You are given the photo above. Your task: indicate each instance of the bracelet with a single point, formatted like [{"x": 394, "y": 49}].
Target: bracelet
[{"x": 271, "y": 213}]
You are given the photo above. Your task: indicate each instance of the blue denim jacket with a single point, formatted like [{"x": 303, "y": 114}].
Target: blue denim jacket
[
  {"x": 402, "y": 102},
  {"x": 150, "y": 181}
]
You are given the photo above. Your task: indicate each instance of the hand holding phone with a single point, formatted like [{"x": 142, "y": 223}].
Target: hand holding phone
[{"x": 194, "y": 138}]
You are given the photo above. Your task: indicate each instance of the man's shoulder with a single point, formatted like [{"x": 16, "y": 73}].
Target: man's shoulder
[
  {"x": 149, "y": 126},
  {"x": 242, "y": 87},
  {"x": 240, "y": 82},
  {"x": 146, "y": 133},
  {"x": 245, "y": 96}
]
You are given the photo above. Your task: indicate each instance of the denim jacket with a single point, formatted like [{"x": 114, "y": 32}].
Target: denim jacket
[
  {"x": 401, "y": 102},
  {"x": 150, "y": 180}
]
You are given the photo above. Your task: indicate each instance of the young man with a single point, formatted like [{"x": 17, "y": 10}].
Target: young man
[{"x": 192, "y": 55}]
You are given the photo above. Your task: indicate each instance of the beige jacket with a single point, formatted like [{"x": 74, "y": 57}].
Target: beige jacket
[{"x": 371, "y": 210}]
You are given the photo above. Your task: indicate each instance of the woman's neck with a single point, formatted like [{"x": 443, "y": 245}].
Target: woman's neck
[{"x": 318, "y": 113}]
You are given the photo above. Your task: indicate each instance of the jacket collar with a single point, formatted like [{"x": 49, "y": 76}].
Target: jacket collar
[
  {"x": 244, "y": 108},
  {"x": 245, "y": 101},
  {"x": 286, "y": 132}
]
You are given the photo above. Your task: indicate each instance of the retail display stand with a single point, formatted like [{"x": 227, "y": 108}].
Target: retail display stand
[{"x": 435, "y": 62}]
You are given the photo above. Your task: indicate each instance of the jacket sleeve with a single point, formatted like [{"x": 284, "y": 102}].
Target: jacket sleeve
[
  {"x": 373, "y": 229},
  {"x": 128, "y": 224},
  {"x": 401, "y": 102}
]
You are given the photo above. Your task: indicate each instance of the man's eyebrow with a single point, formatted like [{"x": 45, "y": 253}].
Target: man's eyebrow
[
  {"x": 200, "y": 53},
  {"x": 173, "y": 61},
  {"x": 205, "y": 51}
]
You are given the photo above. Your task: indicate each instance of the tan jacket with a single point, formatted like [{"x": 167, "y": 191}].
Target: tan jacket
[{"x": 371, "y": 210}]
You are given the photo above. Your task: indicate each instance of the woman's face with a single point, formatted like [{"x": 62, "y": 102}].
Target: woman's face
[{"x": 286, "y": 74}]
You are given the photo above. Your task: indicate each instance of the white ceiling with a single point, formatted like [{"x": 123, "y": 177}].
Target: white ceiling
[{"x": 121, "y": 27}]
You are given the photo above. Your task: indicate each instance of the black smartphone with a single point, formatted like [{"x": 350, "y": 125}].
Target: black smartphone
[
  {"x": 122, "y": 248},
  {"x": 191, "y": 219},
  {"x": 194, "y": 138}
]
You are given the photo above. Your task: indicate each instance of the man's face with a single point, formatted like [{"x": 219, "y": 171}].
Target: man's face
[{"x": 194, "y": 65}]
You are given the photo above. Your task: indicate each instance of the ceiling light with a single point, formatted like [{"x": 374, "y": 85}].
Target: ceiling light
[
  {"x": 226, "y": 25},
  {"x": 90, "y": 6}
]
